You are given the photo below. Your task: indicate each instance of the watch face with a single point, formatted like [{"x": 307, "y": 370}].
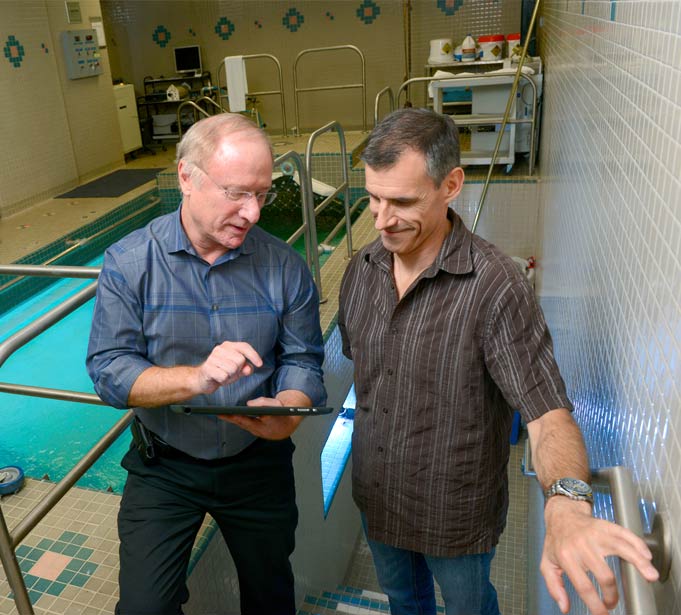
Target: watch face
[{"x": 576, "y": 486}]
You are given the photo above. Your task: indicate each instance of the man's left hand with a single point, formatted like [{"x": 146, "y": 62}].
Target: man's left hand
[
  {"x": 577, "y": 543},
  {"x": 268, "y": 427}
]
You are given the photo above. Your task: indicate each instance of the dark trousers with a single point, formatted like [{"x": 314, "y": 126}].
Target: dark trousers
[{"x": 251, "y": 497}]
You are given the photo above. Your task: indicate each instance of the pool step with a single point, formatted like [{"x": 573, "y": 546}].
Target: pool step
[
  {"x": 352, "y": 600},
  {"x": 345, "y": 599}
]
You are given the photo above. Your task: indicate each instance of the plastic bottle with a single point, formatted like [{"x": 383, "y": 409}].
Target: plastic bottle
[{"x": 468, "y": 49}]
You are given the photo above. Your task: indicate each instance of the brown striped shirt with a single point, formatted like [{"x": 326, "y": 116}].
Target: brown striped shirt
[{"x": 437, "y": 376}]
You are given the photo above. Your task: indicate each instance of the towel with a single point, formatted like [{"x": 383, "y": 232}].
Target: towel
[{"x": 235, "y": 69}]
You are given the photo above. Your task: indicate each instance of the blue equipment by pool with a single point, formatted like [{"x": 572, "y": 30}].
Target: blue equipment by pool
[{"x": 11, "y": 479}]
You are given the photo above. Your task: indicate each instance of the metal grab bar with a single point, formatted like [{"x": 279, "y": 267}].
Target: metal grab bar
[
  {"x": 362, "y": 85},
  {"x": 391, "y": 99},
  {"x": 344, "y": 188},
  {"x": 639, "y": 598},
  {"x": 280, "y": 91},
  {"x": 638, "y": 593}
]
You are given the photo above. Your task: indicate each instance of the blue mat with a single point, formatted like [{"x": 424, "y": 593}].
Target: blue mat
[{"x": 111, "y": 185}]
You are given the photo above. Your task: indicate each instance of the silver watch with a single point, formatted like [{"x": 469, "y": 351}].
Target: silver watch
[{"x": 572, "y": 488}]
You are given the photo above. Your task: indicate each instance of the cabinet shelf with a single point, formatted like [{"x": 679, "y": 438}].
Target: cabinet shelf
[{"x": 158, "y": 114}]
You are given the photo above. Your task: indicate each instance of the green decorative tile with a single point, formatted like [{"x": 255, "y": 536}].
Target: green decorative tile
[
  {"x": 66, "y": 576},
  {"x": 55, "y": 589},
  {"x": 80, "y": 579}
]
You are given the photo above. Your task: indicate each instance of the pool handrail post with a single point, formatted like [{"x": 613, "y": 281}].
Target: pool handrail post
[
  {"x": 280, "y": 91},
  {"x": 35, "y": 515},
  {"x": 362, "y": 84},
  {"x": 10, "y": 540},
  {"x": 11, "y": 567},
  {"x": 344, "y": 187},
  {"x": 307, "y": 205}
]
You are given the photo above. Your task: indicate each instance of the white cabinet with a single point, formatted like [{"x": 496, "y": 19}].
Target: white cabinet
[{"x": 126, "y": 105}]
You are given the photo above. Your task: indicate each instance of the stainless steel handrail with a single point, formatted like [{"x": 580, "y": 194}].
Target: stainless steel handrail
[
  {"x": 40, "y": 324},
  {"x": 391, "y": 100},
  {"x": 344, "y": 188},
  {"x": 639, "y": 598},
  {"x": 197, "y": 109},
  {"x": 353, "y": 209},
  {"x": 280, "y": 91},
  {"x": 309, "y": 226},
  {"x": 10, "y": 540},
  {"x": 361, "y": 85},
  {"x": 510, "y": 104}
]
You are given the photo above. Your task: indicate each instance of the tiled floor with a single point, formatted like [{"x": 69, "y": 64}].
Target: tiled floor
[{"x": 70, "y": 560}]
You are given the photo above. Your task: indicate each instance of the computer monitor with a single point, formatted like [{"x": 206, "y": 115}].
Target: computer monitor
[{"x": 188, "y": 59}]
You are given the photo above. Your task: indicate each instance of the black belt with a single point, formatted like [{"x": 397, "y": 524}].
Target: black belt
[{"x": 165, "y": 450}]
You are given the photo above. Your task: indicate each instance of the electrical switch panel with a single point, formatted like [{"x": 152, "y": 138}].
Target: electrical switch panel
[{"x": 81, "y": 53}]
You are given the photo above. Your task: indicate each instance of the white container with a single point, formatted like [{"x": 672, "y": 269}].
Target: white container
[
  {"x": 468, "y": 49},
  {"x": 515, "y": 49},
  {"x": 491, "y": 47},
  {"x": 440, "y": 51}
]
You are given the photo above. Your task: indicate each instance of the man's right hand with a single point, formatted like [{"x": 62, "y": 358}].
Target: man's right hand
[{"x": 226, "y": 364}]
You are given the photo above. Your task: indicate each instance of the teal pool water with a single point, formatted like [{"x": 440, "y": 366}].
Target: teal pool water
[{"x": 45, "y": 436}]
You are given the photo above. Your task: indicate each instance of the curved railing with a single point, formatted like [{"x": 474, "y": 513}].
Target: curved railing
[
  {"x": 280, "y": 91},
  {"x": 362, "y": 84}
]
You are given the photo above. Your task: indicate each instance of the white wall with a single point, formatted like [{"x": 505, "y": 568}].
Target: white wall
[
  {"x": 56, "y": 131},
  {"x": 610, "y": 272}
]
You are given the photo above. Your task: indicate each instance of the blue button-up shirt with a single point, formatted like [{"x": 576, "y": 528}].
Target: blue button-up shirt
[{"x": 159, "y": 303}]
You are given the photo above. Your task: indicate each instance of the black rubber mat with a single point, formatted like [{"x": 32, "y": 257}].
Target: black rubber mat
[{"x": 111, "y": 185}]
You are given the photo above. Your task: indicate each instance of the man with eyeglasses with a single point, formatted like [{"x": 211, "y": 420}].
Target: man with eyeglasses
[{"x": 203, "y": 306}]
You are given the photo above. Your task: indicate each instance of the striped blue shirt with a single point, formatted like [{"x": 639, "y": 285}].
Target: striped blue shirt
[{"x": 159, "y": 303}]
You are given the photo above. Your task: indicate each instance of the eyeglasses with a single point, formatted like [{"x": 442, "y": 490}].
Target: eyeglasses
[{"x": 242, "y": 196}]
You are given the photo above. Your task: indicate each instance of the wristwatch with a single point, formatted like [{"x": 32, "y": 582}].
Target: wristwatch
[{"x": 572, "y": 488}]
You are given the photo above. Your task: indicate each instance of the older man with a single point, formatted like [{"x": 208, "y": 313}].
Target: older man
[{"x": 202, "y": 305}]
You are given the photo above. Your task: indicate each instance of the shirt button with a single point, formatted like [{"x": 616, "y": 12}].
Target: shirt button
[
  {"x": 377, "y": 484},
  {"x": 385, "y": 410},
  {"x": 380, "y": 449},
  {"x": 389, "y": 371},
  {"x": 214, "y": 307},
  {"x": 394, "y": 330}
]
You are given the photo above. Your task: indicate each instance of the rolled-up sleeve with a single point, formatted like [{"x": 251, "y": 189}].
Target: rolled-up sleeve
[
  {"x": 519, "y": 354},
  {"x": 301, "y": 345},
  {"x": 116, "y": 354}
]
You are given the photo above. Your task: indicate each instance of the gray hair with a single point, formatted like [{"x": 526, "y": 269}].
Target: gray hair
[
  {"x": 198, "y": 144},
  {"x": 432, "y": 134}
]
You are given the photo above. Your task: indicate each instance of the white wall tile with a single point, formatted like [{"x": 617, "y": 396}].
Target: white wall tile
[{"x": 610, "y": 270}]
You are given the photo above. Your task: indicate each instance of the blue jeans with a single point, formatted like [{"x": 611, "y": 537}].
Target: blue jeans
[{"x": 407, "y": 579}]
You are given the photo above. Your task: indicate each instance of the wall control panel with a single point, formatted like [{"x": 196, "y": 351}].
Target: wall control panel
[{"x": 81, "y": 53}]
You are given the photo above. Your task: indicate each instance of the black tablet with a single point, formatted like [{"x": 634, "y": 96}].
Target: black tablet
[{"x": 252, "y": 410}]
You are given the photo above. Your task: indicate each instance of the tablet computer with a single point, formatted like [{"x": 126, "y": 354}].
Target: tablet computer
[{"x": 252, "y": 410}]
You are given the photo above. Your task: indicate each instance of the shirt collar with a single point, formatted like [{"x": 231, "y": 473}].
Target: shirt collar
[
  {"x": 178, "y": 241},
  {"x": 454, "y": 256}
]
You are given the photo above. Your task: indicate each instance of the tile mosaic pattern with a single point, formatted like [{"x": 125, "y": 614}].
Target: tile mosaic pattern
[
  {"x": 70, "y": 560},
  {"x": 610, "y": 273}
]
